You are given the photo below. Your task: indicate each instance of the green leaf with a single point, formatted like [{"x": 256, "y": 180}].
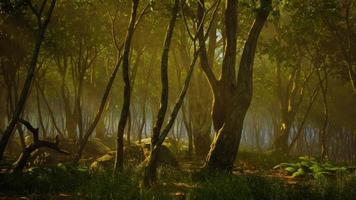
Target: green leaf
[
  {"x": 315, "y": 168},
  {"x": 61, "y": 167},
  {"x": 281, "y": 165},
  {"x": 319, "y": 175},
  {"x": 299, "y": 172},
  {"x": 290, "y": 169}
]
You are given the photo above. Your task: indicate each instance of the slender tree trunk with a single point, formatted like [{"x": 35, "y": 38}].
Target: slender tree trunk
[
  {"x": 97, "y": 118},
  {"x": 143, "y": 122},
  {"x": 301, "y": 127},
  {"x": 51, "y": 114},
  {"x": 323, "y": 131},
  {"x": 151, "y": 166},
  {"x": 39, "y": 112},
  {"x": 188, "y": 127},
  {"x": 119, "y": 161}
]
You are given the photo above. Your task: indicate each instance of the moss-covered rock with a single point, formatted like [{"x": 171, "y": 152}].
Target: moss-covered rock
[
  {"x": 96, "y": 146},
  {"x": 165, "y": 156},
  {"x": 104, "y": 162}
]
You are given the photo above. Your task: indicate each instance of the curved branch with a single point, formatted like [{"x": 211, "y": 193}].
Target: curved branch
[{"x": 21, "y": 162}]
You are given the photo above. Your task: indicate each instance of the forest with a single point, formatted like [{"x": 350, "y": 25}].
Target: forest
[{"x": 178, "y": 99}]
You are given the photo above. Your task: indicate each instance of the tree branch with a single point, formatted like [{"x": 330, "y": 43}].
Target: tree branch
[{"x": 20, "y": 164}]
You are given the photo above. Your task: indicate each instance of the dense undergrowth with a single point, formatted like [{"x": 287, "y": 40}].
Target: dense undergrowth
[{"x": 72, "y": 182}]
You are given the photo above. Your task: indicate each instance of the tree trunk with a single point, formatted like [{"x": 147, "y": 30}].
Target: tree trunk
[
  {"x": 119, "y": 161},
  {"x": 97, "y": 118},
  {"x": 290, "y": 99},
  {"x": 51, "y": 114},
  {"x": 201, "y": 140},
  {"x": 129, "y": 126},
  {"x": 188, "y": 127},
  {"x": 151, "y": 166},
  {"x": 323, "y": 131},
  {"x": 232, "y": 95},
  {"x": 39, "y": 112}
]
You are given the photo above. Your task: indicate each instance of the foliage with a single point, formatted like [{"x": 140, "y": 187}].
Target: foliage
[{"x": 308, "y": 166}]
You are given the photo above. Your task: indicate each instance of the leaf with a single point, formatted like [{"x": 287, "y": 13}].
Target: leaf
[
  {"x": 305, "y": 164},
  {"x": 61, "y": 167},
  {"x": 82, "y": 169},
  {"x": 319, "y": 175},
  {"x": 281, "y": 165},
  {"x": 299, "y": 172},
  {"x": 290, "y": 169},
  {"x": 315, "y": 168}
]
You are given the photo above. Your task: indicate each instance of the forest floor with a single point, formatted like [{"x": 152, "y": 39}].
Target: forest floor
[{"x": 252, "y": 178}]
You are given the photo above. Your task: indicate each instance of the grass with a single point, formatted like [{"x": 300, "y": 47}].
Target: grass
[
  {"x": 260, "y": 188},
  {"x": 263, "y": 161},
  {"x": 79, "y": 183}
]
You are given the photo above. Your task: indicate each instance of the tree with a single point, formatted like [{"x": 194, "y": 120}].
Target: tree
[
  {"x": 232, "y": 94},
  {"x": 119, "y": 161},
  {"x": 158, "y": 135},
  {"x": 156, "y": 140}
]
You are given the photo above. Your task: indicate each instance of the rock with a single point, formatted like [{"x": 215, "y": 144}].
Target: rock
[
  {"x": 134, "y": 153},
  {"x": 110, "y": 142},
  {"x": 96, "y": 147},
  {"x": 102, "y": 163},
  {"x": 165, "y": 156}
]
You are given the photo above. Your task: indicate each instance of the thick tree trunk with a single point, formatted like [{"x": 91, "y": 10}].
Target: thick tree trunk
[
  {"x": 129, "y": 126},
  {"x": 226, "y": 143},
  {"x": 232, "y": 96},
  {"x": 201, "y": 140},
  {"x": 27, "y": 85}
]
